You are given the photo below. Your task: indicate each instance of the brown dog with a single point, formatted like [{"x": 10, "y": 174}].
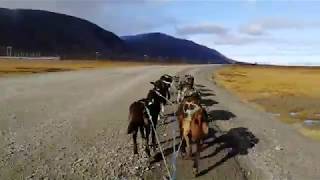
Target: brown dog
[{"x": 193, "y": 127}]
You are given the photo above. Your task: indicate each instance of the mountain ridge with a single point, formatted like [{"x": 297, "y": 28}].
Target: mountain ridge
[
  {"x": 69, "y": 37},
  {"x": 162, "y": 45},
  {"x": 56, "y": 34}
]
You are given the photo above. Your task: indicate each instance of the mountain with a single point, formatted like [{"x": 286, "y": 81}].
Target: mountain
[
  {"x": 162, "y": 46},
  {"x": 54, "y": 34},
  {"x": 35, "y": 32}
]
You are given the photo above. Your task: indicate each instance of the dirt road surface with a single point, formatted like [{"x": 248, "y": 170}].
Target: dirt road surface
[{"x": 72, "y": 125}]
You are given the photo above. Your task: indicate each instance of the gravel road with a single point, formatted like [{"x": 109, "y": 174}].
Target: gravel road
[{"x": 72, "y": 125}]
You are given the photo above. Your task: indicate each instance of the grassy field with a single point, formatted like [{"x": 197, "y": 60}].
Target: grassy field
[
  {"x": 16, "y": 67},
  {"x": 292, "y": 93}
]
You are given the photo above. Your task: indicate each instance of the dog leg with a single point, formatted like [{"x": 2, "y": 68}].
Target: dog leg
[
  {"x": 135, "y": 146},
  {"x": 189, "y": 148},
  {"x": 147, "y": 150},
  {"x": 196, "y": 160},
  {"x": 142, "y": 132}
]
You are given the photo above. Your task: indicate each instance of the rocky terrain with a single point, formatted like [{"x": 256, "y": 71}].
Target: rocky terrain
[{"x": 72, "y": 125}]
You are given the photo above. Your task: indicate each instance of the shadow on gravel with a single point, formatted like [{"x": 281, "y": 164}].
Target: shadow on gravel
[
  {"x": 206, "y": 94},
  {"x": 236, "y": 141},
  {"x": 158, "y": 157},
  {"x": 220, "y": 115},
  {"x": 208, "y": 102},
  {"x": 205, "y": 90},
  {"x": 199, "y": 86},
  {"x": 170, "y": 140},
  {"x": 169, "y": 114},
  {"x": 167, "y": 122},
  {"x": 167, "y": 119}
]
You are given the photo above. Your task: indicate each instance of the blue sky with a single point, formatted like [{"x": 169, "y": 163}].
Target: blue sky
[{"x": 274, "y": 32}]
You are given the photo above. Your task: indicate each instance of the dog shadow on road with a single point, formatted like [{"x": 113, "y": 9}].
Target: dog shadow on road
[
  {"x": 215, "y": 115},
  {"x": 206, "y": 94},
  {"x": 167, "y": 151},
  {"x": 236, "y": 141},
  {"x": 177, "y": 139},
  {"x": 205, "y": 90},
  {"x": 208, "y": 102},
  {"x": 199, "y": 86}
]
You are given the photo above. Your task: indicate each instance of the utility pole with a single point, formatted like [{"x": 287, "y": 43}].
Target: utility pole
[
  {"x": 9, "y": 50},
  {"x": 97, "y": 55}
]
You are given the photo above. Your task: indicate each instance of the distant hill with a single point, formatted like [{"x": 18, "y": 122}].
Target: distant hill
[
  {"x": 56, "y": 34},
  {"x": 53, "y": 34},
  {"x": 158, "y": 45}
]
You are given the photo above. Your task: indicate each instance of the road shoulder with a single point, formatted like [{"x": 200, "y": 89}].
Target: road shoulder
[{"x": 281, "y": 153}]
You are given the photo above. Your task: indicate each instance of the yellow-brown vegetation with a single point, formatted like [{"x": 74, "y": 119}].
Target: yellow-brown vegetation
[
  {"x": 293, "y": 93},
  {"x": 15, "y": 67}
]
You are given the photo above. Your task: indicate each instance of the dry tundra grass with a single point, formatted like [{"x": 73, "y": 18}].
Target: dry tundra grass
[
  {"x": 13, "y": 67},
  {"x": 292, "y": 93}
]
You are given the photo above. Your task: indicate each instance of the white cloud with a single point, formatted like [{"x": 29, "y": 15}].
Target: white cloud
[
  {"x": 221, "y": 35},
  {"x": 234, "y": 39},
  {"x": 253, "y": 29},
  {"x": 264, "y": 26},
  {"x": 201, "y": 29},
  {"x": 217, "y": 34}
]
